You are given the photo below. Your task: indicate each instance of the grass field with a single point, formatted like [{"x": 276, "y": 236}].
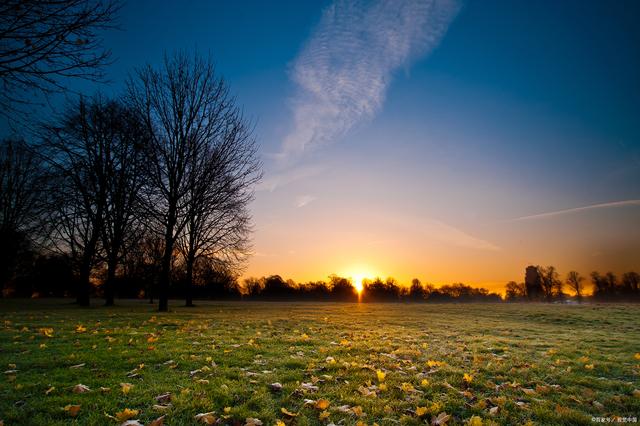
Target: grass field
[{"x": 337, "y": 363}]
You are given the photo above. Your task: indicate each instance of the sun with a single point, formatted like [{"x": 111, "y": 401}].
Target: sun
[{"x": 357, "y": 284}]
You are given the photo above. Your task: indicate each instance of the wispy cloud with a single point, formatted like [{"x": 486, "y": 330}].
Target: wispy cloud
[
  {"x": 345, "y": 68},
  {"x": 272, "y": 181},
  {"x": 624, "y": 203},
  {"x": 303, "y": 200}
]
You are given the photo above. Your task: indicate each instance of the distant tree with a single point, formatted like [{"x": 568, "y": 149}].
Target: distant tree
[
  {"x": 42, "y": 43},
  {"x": 575, "y": 283},
  {"x": 21, "y": 182},
  {"x": 550, "y": 283},
  {"x": 631, "y": 284},
  {"x": 416, "y": 291},
  {"x": 515, "y": 291}
]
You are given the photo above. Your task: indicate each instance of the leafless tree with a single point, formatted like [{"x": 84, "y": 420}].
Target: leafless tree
[
  {"x": 124, "y": 180},
  {"x": 575, "y": 282},
  {"x": 224, "y": 168},
  {"x": 88, "y": 151},
  {"x": 200, "y": 160},
  {"x": 45, "y": 42},
  {"x": 21, "y": 181},
  {"x": 551, "y": 284}
]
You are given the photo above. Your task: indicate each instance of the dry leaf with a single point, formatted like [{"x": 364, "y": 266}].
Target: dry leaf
[
  {"x": 421, "y": 411},
  {"x": 250, "y": 421},
  {"x": 72, "y": 410},
  {"x": 440, "y": 419},
  {"x": 126, "y": 387},
  {"x": 287, "y": 412},
  {"x": 158, "y": 422},
  {"x": 126, "y": 414},
  {"x": 206, "y": 418},
  {"x": 80, "y": 388},
  {"x": 163, "y": 398}
]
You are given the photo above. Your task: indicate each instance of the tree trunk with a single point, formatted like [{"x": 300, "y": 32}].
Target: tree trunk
[
  {"x": 189, "y": 283},
  {"x": 84, "y": 286},
  {"x": 109, "y": 285}
]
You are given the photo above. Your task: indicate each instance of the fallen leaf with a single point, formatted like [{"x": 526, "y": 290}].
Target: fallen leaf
[
  {"x": 158, "y": 422},
  {"x": 440, "y": 419},
  {"x": 126, "y": 414},
  {"x": 72, "y": 410},
  {"x": 474, "y": 421},
  {"x": 51, "y": 389},
  {"x": 132, "y": 423},
  {"x": 357, "y": 411},
  {"x": 80, "y": 388},
  {"x": 276, "y": 387},
  {"x": 322, "y": 404},
  {"x": 163, "y": 398},
  {"x": 126, "y": 387},
  {"x": 287, "y": 412},
  {"x": 381, "y": 375},
  {"x": 206, "y": 418},
  {"x": 250, "y": 421},
  {"x": 421, "y": 411}
]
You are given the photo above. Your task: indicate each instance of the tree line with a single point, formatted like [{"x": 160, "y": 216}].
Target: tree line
[{"x": 544, "y": 284}]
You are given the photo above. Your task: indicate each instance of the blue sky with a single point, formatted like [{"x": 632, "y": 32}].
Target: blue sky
[{"x": 424, "y": 138}]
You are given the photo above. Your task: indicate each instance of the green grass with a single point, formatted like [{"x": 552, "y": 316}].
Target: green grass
[{"x": 537, "y": 363}]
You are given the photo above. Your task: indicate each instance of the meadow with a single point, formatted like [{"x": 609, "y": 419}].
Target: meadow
[{"x": 252, "y": 363}]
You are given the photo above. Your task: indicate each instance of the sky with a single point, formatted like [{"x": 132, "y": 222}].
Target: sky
[{"x": 452, "y": 141}]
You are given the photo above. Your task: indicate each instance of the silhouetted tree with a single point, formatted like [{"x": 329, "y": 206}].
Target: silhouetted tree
[
  {"x": 575, "y": 283},
  {"x": 550, "y": 283},
  {"x": 21, "y": 181},
  {"x": 42, "y": 43},
  {"x": 200, "y": 152},
  {"x": 124, "y": 180},
  {"x": 416, "y": 291},
  {"x": 533, "y": 283},
  {"x": 515, "y": 291},
  {"x": 630, "y": 286}
]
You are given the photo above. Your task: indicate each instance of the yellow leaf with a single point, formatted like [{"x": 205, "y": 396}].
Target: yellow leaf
[
  {"x": 305, "y": 337},
  {"x": 47, "y": 332},
  {"x": 126, "y": 387},
  {"x": 280, "y": 423},
  {"x": 421, "y": 411},
  {"x": 474, "y": 421},
  {"x": 424, "y": 382},
  {"x": 589, "y": 366},
  {"x": 72, "y": 410},
  {"x": 227, "y": 410},
  {"x": 381, "y": 375},
  {"x": 322, "y": 404},
  {"x": 637, "y": 356},
  {"x": 407, "y": 387},
  {"x": 323, "y": 415},
  {"x": 382, "y": 387},
  {"x": 357, "y": 411},
  {"x": 467, "y": 378},
  {"x": 80, "y": 328},
  {"x": 287, "y": 412},
  {"x": 126, "y": 414}
]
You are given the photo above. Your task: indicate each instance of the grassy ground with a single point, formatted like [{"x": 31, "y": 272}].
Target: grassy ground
[{"x": 337, "y": 363}]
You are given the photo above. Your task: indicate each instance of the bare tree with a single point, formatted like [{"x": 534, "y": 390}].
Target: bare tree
[
  {"x": 224, "y": 167},
  {"x": 551, "y": 284},
  {"x": 124, "y": 179},
  {"x": 515, "y": 291},
  {"x": 42, "y": 43},
  {"x": 575, "y": 282},
  {"x": 82, "y": 149},
  {"x": 200, "y": 153},
  {"x": 20, "y": 189}
]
